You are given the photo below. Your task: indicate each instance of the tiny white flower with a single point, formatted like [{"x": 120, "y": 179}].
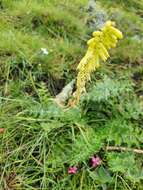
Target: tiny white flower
[{"x": 44, "y": 51}]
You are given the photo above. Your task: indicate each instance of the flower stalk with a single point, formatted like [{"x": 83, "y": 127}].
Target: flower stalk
[{"x": 97, "y": 51}]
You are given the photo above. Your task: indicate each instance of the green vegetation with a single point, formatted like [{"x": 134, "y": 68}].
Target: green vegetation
[{"x": 41, "y": 140}]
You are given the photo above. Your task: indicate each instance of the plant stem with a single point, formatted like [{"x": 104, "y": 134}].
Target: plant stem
[{"x": 115, "y": 148}]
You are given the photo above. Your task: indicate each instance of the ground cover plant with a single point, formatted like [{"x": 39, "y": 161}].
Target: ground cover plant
[{"x": 97, "y": 144}]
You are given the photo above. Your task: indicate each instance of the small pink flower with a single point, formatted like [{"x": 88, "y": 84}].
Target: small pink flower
[
  {"x": 72, "y": 170},
  {"x": 95, "y": 161}
]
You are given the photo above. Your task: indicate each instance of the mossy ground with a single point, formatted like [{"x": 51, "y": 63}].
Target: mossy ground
[{"x": 41, "y": 140}]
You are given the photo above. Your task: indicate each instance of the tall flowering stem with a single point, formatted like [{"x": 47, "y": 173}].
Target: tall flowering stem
[{"x": 97, "y": 51}]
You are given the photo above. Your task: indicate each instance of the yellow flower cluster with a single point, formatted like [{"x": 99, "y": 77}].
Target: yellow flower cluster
[{"x": 98, "y": 47}]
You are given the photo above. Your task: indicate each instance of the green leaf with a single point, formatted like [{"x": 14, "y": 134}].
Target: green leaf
[{"x": 101, "y": 175}]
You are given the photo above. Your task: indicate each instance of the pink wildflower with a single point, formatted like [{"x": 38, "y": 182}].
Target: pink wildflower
[
  {"x": 72, "y": 170},
  {"x": 95, "y": 161}
]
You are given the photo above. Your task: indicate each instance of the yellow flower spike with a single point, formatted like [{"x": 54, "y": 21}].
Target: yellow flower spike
[
  {"x": 109, "y": 23},
  {"x": 113, "y": 40},
  {"x": 98, "y": 47},
  {"x": 90, "y": 42},
  {"x": 97, "y": 64},
  {"x": 102, "y": 55},
  {"x": 116, "y": 32},
  {"x": 111, "y": 37},
  {"x": 104, "y": 50},
  {"x": 107, "y": 43},
  {"x": 96, "y": 33},
  {"x": 110, "y": 40}
]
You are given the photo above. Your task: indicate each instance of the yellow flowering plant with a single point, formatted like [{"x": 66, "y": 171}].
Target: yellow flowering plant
[{"x": 97, "y": 51}]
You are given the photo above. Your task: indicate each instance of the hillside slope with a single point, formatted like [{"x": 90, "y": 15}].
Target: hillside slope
[{"x": 42, "y": 42}]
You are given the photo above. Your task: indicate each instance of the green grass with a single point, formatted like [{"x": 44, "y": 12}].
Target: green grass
[{"x": 41, "y": 140}]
